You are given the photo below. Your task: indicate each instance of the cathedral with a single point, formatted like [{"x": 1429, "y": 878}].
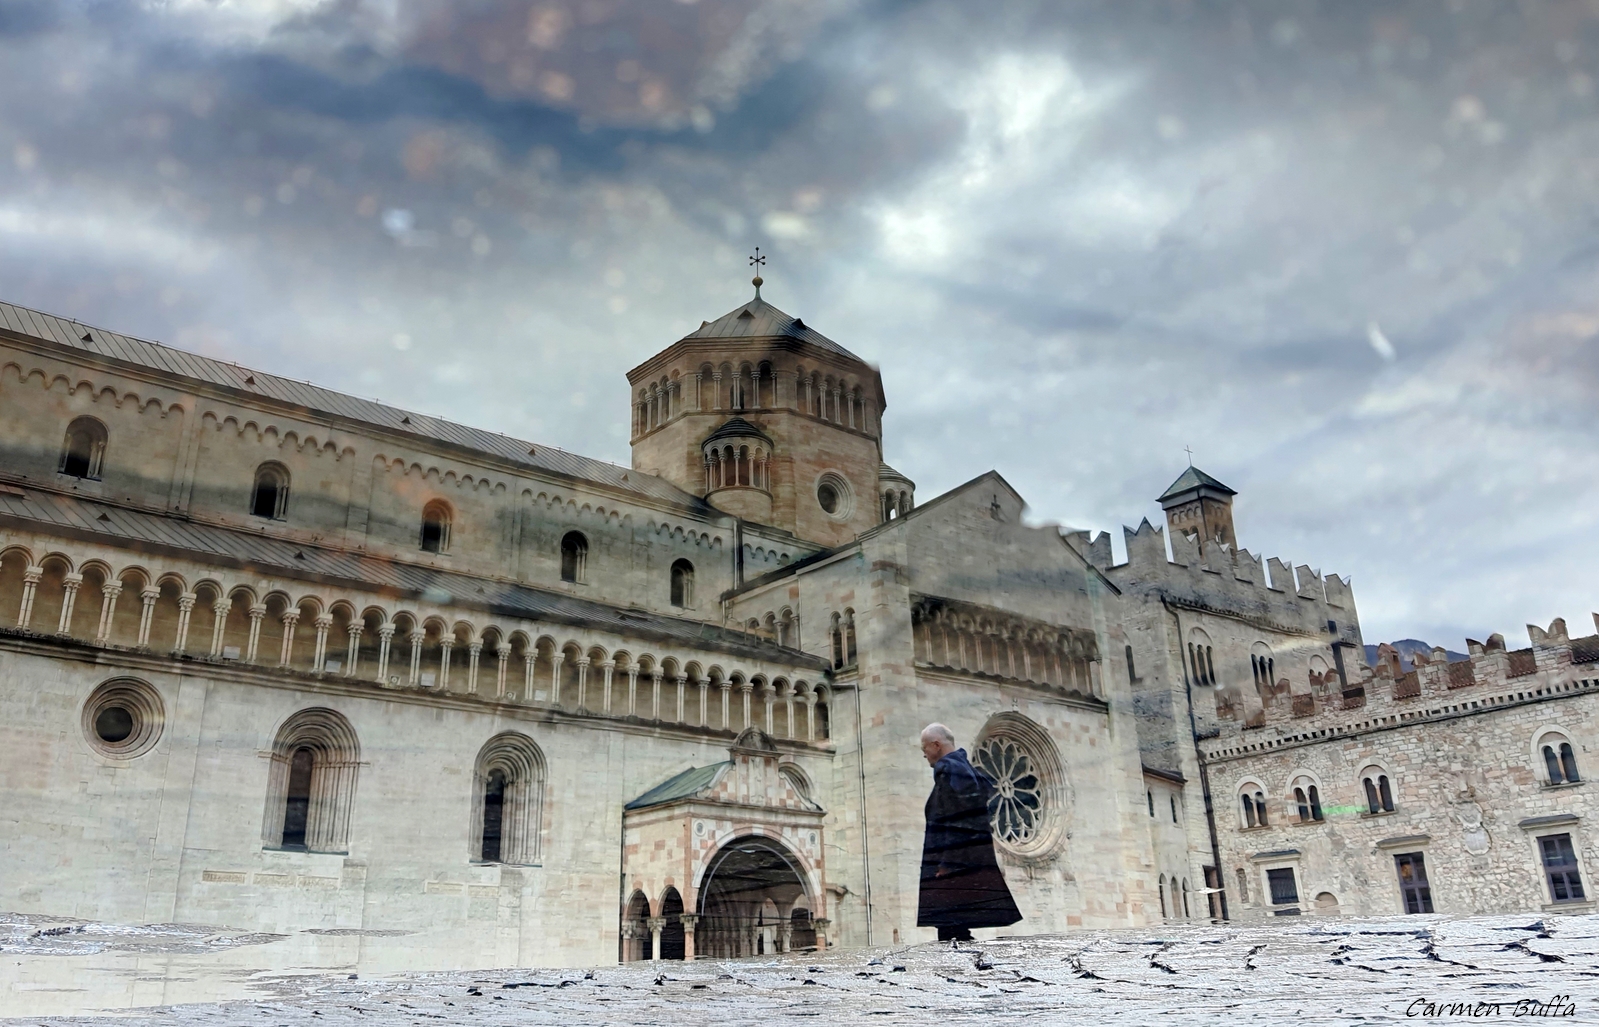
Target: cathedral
[{"x": 401, "y": 690}]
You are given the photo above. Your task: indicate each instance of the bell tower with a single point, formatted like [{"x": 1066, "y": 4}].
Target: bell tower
[
  {"x": 766, "y": 418},
  {"x": 1198, "y": 504}
]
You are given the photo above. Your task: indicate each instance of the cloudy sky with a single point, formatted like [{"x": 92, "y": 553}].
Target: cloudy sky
[{"x": 1345, "y": 251}]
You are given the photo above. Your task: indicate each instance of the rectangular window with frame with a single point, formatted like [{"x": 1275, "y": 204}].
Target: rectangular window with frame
[
  {"x": 1413, "y": 886},
  {"x": 1284, "y": 892},
  {"x": 1560, "y": 866}
]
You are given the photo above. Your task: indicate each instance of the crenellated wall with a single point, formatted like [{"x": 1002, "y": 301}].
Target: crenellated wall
[{"x": 1465, "y": 783}]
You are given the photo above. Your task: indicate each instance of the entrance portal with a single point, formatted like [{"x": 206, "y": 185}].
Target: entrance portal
[{"x": 750, "y": 900}]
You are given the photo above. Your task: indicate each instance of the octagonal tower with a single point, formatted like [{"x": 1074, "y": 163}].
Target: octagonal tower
[{"x": 768, "y": 419}]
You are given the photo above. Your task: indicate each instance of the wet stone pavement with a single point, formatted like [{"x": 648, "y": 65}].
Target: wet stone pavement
[{"x": 1310, "y": 971}]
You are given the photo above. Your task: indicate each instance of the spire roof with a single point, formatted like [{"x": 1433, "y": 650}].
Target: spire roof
[
  {"x": 758, "y": 319},
  {"x": 1192, "y": 479}
]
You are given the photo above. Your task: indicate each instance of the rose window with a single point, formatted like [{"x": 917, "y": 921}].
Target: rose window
[{"x": 1017, "y": 808}]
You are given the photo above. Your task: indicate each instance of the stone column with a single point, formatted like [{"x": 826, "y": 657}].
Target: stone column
[
  {"x": 186, "y": 603},
  {"x": 610, "y": 670},
  {"x": 821, "y": 924},
  {"x": 746, "y": 689},
  {"x": 109, "y": 594},
  {"x": 655, "y": 694},
  {"x": 385, "y": 641},
  {"x": 256, "y": 613},
  {"x": 555, "y": 677},
  {"x": 146, "y": 612},
  {"x": 530, "y": 660},
  {"x": 417, "y": 634},
  {"x": 810, "y": 716},
  {"x": 30, "y": 583},
  {"x": 689, "y": 921},
  {"x": 716, "y": 390},
  {"x": 632, "y": 684},
  {"x": 323, "y": 622},
  {"x": 352, "y": 649},
  {"x": 290, "y": 618},
  {"x": 655, "y": 924},
  {"x": 219, "y": 609},
  {"x": 785, "y": 935},
  {"x": 446, "y": 644},
  {"x": 503, "y": 651},
  {"x": 682, "y": 692},
  {"x": 769, "y": 695},
  {"x": 705, "y": 695},
  {"x": 474, "y": 651},
  {"x": 628, "y": 935},
  {"x": 727, "y": 693},
  {"x": 788, "y": 709},
  {"x": 69, "y": 589},
  {"x": 582, "y": 682}
]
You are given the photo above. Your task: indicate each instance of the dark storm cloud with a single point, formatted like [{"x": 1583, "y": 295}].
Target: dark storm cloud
[{"x": 1343, "y": 250}]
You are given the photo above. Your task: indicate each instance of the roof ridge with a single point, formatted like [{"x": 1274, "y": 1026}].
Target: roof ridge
[{"x": 270, "y": 385}]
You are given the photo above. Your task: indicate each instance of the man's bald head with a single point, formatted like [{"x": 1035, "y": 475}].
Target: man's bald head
[{"x": 938, "y": 741}]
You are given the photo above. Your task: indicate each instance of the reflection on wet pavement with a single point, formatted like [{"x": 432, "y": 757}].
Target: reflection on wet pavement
[{"x": 1317, "y": 970}]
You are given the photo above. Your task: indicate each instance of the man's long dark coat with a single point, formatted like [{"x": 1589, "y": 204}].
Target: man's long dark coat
[{"x": 962, "y": 885}]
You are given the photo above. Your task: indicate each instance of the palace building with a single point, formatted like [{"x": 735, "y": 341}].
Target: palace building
[{"x": 281, "y": 659}]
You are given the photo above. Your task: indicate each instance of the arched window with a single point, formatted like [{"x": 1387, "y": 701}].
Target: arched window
[
  {"x": 508, "y": 806},
  {"x": 311, "y": 783},
  {"x": 824, "y": 728},
  {"x": 1559, "y": 758},
  {"x": 436, "y": 527},
  {"x": 574, "y": 556},
  {"x": 270, "y": 497},
  {"x": 1254, "y": 804},
  {"x": 83, "y": 450},
  {"x": 838, "y": 643},
  {"x": 298, "y": 802},
  {"x": 1379, "y": 791},
  {"x": 849, "y": 638},
  {"x": 493, "y": 815},
  {"x": 682, "y": 583},
  {"x": 1308, "y": 801}
]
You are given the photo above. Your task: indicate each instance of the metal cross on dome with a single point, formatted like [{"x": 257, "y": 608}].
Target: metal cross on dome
[{"x": 757, "y": 262}]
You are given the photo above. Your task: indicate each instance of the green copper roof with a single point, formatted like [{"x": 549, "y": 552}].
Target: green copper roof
[
  {"x": 1191, "y": 479},
  {"x": 689, "y": 782}
]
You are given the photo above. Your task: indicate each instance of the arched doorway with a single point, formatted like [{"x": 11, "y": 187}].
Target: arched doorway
[
  {"x": 672, "y": 931},
  {"x": 636, "y": 940},
  {"x": 747, "y": 900}
]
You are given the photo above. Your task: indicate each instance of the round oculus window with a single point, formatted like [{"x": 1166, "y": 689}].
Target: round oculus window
[
  {"x": 113, "y": 724},
  {"x": 123, "y": 719},
  {"x": 1026, "y": 811},
  {"x": 833, "y": 496}
]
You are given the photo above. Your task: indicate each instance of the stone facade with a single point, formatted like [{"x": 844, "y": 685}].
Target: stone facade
[{"x": 281, "y": 659}]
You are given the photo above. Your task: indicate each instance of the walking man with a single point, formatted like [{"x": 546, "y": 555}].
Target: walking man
[{"x": 962, "y": 885}]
